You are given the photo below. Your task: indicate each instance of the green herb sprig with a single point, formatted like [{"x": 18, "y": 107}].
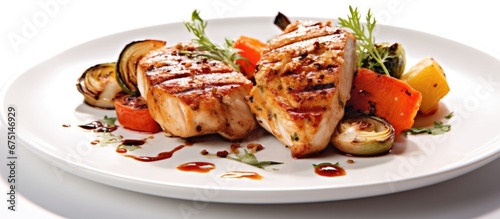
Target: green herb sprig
[
  {"x": 325, "y": 163},
  {"x": 438, "y": 129},
  {"x": 225, "y": 53},
  {"x": 109, "y": 121},
  {"x": 108, "y": 138},
  {"x": 250, "y": 159},
  {"x": 364, "y": 35}
]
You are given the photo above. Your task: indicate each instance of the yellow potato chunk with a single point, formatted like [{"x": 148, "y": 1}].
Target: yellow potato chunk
[{"x": 429, "y": 79}]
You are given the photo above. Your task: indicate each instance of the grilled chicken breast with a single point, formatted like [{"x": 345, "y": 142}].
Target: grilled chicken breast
[
  {"x": 191, "y": 95},
  {"x": 303, "y": 81}
]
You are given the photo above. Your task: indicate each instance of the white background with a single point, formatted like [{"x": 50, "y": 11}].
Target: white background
[{"x": 33, "y": 31}]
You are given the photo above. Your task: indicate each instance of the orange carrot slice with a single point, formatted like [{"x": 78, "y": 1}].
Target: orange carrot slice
[
  {"x": 384, "y": 96},
  {"x": 250, "y": 48},
  {"x": 133, "y": 113}
]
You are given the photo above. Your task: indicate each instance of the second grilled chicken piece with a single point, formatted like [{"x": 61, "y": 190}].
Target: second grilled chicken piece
[
  {"x": 303, "y": 81},
  {"x": 191, "y": 95}
]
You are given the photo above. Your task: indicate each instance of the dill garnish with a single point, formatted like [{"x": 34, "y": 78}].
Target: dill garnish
[{"x": 364, "y": 35}]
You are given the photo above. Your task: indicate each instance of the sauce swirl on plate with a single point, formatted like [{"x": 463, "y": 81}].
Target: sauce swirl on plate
[
  {"x": 199, "y": 167},
  {"x": 329, "y": 170},
  {"x": 160, "y": 156}
]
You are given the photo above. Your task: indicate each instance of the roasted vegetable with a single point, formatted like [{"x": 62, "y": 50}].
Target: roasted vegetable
[
  {"x": 392, "y": 55},
  {"x": 384, "y": 58},
  {"x": 133, "y": 113},
  {"x": 384, "y": 96},
  {"x": 250, "y": 48},
  {"x": 126, "y": 67},
  {"x": 281, "y": 21},
  {"x": 98, "y": 85},
  {"x": 429, "y": 79},
  {"x": 363, "y": 135}
]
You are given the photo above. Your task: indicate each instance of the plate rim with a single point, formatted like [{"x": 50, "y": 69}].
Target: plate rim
[{"x": 33, "y": 146}]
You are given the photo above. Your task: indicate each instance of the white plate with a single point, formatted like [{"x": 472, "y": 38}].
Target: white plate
[{"x": 45, "y": 99}]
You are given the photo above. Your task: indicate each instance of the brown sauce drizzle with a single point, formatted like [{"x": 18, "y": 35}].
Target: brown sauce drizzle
[
  {"x": 242, "y": 174},
  {"x": 329, "y": 170},
  {"x": 199, "y": 167},
  {"x": 98, "y": 126},
  {"x": 160, "y": 156},
  {"x": 134, "y": 142},
  {"x": 121, "y": 150},
  {"x": 131, "y": 142}
]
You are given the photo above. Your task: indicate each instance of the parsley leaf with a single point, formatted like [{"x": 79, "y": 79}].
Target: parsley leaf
[
  {"x": 250, "y": 159},
  {"x": 449, "y": 116},
  {"x": 325, "y": 164},
  {"x": 110, "y": 121},
  {"x": 438, "y": 129}
]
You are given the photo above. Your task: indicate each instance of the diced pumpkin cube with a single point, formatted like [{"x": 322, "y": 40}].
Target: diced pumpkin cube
[{"x": 429, "y": 79}]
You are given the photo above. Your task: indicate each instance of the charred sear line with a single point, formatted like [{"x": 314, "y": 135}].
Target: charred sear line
[
  {"x": 373, "y": 107},
  {"x": 316, "y": 87},
  {"x": 332, "y": 67},
  {"x": 288, "y": 73},
  {"x": 312, "y": 40},
  {"x": 310, "y": 32},
  {"x": 152, "y": 67},
  {"x": 172, "y": 77},
  {"x": 314, "y": 24},
  {"x": 303, "y": 55},
  {"x": 204, "y": 87},
  {"x": 407, "y": 93}
]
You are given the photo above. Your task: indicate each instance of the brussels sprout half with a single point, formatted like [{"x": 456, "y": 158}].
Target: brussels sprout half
[
  {"x": 363, "y": 135},
  {"x": 393, "y": 56}
]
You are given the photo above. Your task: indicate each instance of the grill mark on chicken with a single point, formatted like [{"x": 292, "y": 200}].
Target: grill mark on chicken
[
  {"x": 163, "y": 67},
  {"x": 199, "y": 82},
  {"x": 302, "y": 31},
  {"x": 211, "y": 88},
  {"x": 301, "y": 49},
  {"x": 318, "y": 87}
]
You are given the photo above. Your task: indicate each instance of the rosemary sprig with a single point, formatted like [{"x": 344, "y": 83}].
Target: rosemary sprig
[
  {"x": 225, "y": 53},
  {"x": 364, "y": 35}
]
